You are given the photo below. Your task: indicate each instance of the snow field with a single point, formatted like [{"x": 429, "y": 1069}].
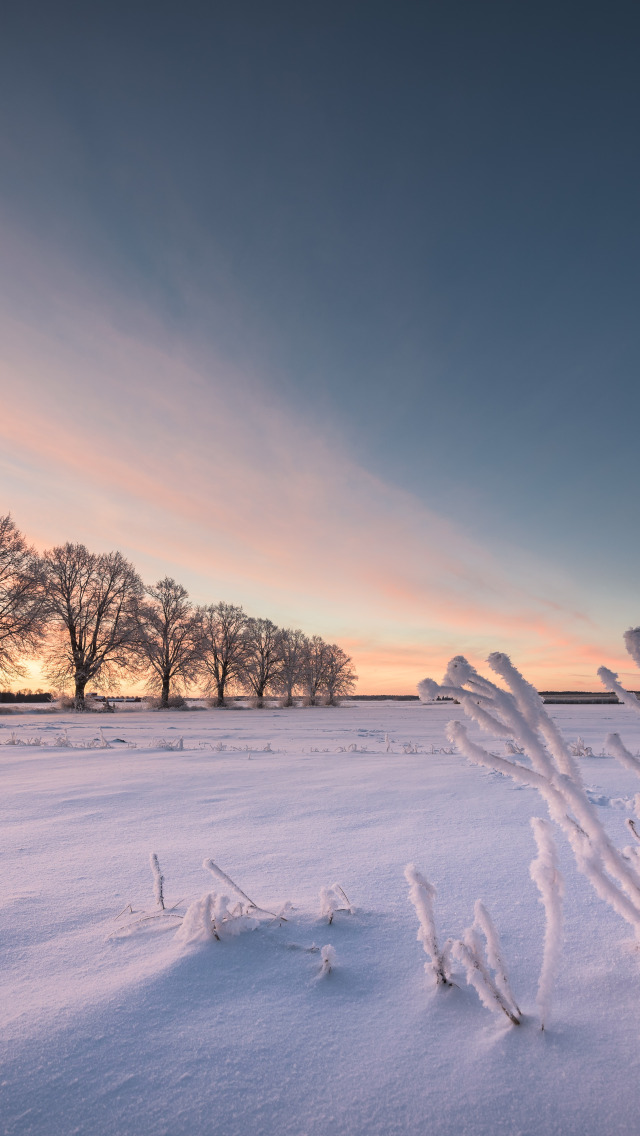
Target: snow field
[{"x": 112, "y": 1026}]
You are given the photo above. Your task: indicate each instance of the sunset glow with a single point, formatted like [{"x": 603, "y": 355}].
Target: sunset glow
[
  {"x": 117, "y": 438},
  {"x": 414, "y": 512}
]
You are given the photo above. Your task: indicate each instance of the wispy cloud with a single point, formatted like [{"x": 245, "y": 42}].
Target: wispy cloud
[{"x": 116, "y": 433}]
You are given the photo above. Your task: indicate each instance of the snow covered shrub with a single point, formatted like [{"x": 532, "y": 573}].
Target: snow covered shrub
[
  {"x": 332, "y": 900},
  {"x": 422, "y": 895},
  {"x": 65, "y": 702},
  {"x": 546, "y": 874},
  {"x": 518, "y": 715}
]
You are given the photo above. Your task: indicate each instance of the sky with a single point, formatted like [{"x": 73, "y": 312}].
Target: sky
[{"x": 331, "y": 311}]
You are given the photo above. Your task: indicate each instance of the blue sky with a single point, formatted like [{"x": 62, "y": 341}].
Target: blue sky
[{"x": 404, "y": 239}]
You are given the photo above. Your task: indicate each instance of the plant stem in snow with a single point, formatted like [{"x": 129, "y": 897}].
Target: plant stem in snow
[
  {"x": 158, "y": 880},
  {"x": 494, "y": 953},
  {"x": 547, "y": 876},
  {"x": 479, "y": 978},
  {"x": 422, "y": 895}
]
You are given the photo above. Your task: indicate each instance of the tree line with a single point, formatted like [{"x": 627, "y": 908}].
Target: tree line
[{"x": 90, "y": 620}]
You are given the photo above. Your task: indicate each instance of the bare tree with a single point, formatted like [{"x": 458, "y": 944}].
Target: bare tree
[
  {"x": 22, "y": 608},
  {"x": 339, "y": 676},
  {"x": 222, "y": 646},
  {"x": 313, "y": 667},
  {"x": 261, "y": 656},
  {"x": 291, "y": 649},
  {"x": 169, "y": 644},
  {"x": 94, "y": 603}
]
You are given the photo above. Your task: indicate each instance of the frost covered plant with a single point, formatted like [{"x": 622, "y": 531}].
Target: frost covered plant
[
  {"x": 495, "y": 958},
  {"x": 327, "y": 960},
  {"x": 158, "y": 879},
  {"x": 246, "y": 905},
  {"x": 518, "y": 714},
  {"x": 211, "y": 917},
  {"x": 332, "y": 900},
  {"x": 614, "y": 741},
  {"x": 16, "y": 741},
  {"x": 422, "y": 894},
  {"x": 216, "y": 916},
  {"x": 546, "y": 875},
  {"x": 198, "y": 923},
  {"x": 580, "y": 749},
  {"x": 610, "y": 679},
  {"x": 100, "y": 742},
  {"x": 493, "y": 989},
  {"x": 622, "y": 754},
  {"x": 632, "y": 851},
  {"x": 158, "y": 891}
]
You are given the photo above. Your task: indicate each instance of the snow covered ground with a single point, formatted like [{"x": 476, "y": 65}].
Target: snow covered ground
[{"x": 115, "y": 1026}]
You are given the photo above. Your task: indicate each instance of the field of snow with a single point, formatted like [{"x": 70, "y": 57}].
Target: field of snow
[{"x": 114, "y": 1024}]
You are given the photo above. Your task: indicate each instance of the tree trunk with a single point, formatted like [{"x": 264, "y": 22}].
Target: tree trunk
[
  {"x": 220, "y": 694},
  {"x": 164, "y": 697},
  {"x": 78, "y": 701}
]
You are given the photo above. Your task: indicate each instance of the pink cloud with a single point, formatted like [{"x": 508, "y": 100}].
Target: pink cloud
[{"x": 116, "y": 436}]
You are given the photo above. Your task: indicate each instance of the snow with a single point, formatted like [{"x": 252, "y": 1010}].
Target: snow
[{"x": 122, "y": 1025}]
